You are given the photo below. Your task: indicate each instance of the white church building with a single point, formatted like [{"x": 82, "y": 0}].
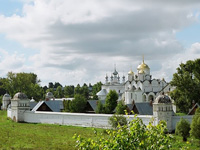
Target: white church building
[{"x": 139, "y": 87}]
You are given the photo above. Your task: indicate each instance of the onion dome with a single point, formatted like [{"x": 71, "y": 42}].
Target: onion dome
[
  {"x": 20, "y": 96},
  {"x": 115, "y": 72},
  {"x": 142, "y": 66},
  {"x": 131, "y": 72},
  {"x": 141, "y": 71},
  {"x": 163, "y": 99}
]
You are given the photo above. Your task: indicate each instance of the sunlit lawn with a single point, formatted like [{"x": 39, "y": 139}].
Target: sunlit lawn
[
  {"x": 39, "y": 136},
  {"x": 44, "y": 136}
]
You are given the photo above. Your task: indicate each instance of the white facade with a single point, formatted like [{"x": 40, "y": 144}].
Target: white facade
[
  {"x": 6, "y": 101},
  {"x": 113, "y": 84},
  {"x": 19, "y": 104},
  {"x": 139, "y": 87}
]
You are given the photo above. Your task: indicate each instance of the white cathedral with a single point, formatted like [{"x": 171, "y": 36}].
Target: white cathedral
[{"x": 139, "y": 87}]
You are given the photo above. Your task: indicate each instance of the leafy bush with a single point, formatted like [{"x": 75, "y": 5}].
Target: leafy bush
[
  {"x": 117, "y": 120},
  {"x": 111, "y": 101},
  {"x": 195, "y": 126},
  {"x": 100, "y": 108},
  {"x": 120, "y": 109},
  {"x": 135, "y": 135},
  {"x": 183, "y": 129},
  {"x": 78, "y": 104}
]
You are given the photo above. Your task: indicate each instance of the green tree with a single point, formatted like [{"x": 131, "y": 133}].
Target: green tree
[
  {"x": 95, "y": 89},
  {"x": 183, "y": 129},
  {"x": 59, "y": 92},
  {"x": 69, "y": 91},
  {"x": 111, "y": 101},
  {"x": 27, "y": 83},
  {"x": 120, "y": 109},
  {"x": 135, "y": 135},
  {"x": 57, "y": 84},
  {"x": 195, "y": 125},
  {"x": 85, "y": 91},
  {"x": 66, "y": 104},
  {"x": 51, "y": 85},
  {"x": 187, "y": 83},
  {"x": 78, "y": 104},
  {"x": 100, "y": 108}
]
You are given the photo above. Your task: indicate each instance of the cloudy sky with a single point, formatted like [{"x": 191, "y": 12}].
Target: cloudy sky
[{"x": 79, "y": 41}]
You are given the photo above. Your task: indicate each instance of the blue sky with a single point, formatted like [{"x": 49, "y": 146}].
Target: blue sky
[
  {"x": 59, "y": 40},
  {"x": 10, "y": 7},
  {"x": 189, "y": 35}
]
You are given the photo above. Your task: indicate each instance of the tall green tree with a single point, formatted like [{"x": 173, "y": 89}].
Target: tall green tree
[
  {"x": 100, "y": 108},
  {"x": 27, "y": 83},
  {"x": 120, "y": 109},
  {"x": 69, "y": 91},
  {"x": 78, "y": 104},
  {"x": 111, "y": 101},
  {"x": 59, "y": 92},
  {"x": 187, "y": 83},
  {"x": 95, "y": 89}
]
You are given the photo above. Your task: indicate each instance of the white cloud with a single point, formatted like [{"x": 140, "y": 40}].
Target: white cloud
[
  {"x": 11, "y": 62},
  {"x": 80, "y": 40}
]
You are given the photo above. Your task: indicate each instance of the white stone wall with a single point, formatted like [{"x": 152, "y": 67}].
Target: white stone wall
[
  {"x": 176, "y": 119},
  {"x": 74, "y": 119},
  {"x": 9, "y": 112},
  {"x": 85, "y": 120}
]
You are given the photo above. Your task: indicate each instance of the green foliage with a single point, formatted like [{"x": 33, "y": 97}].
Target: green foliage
[
  {"x": 117, "y": 120},
  {"x": 59, "y": 92},
  {"x": 187, "y": 83},
  {"x": 23, "y": 82},
  {"x": 95, "y": 89},
  {"x": 69, "y": 91},
  {"x": 67, "y": 105},
  {"x": 135, "y": 135},
  {"x": 78, "y": 104},
  {"x": 82, "y": 90},
  {"x": 183, "y": 129},
  {"x": 100, "y": 108},
  {"x": 111, "y": 101},
  {"x": 195, "y": 126},
  {"x": 120, "y": 109}
]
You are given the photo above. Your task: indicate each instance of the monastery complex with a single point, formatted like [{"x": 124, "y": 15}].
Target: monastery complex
[
  {"x": 142, "y": 94},
  {"x": 139, "y": 87}
]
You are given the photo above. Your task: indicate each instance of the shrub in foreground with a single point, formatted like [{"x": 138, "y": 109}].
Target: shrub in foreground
[
  {"x": 134, "y": 135},
  {"x": 183, "y": 129},
  {"x": 117, "y": 120},
  {"x": 195, "y": 125}
]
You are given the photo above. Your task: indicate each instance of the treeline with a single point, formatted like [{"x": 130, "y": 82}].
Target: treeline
[{"x": 29, "y": 84}]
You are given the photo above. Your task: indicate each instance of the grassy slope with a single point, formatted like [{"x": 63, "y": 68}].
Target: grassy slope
[
  {"x": 44, "y": 136},
  {"x": 38, "y": 136}
]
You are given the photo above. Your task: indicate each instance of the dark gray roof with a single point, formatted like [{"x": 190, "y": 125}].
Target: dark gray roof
[
  {"x": 55, "y": 106},
  {"x": 32, "y": 105},
  {"x": 130, "y": 106},
  {"x": 93, "y": 103},
  {"x": 144, "y": 108}
]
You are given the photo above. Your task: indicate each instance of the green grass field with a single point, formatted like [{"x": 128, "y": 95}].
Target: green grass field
[
  {"x": 39, "y": 136},
  {"x": 44, "y": 136}
]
